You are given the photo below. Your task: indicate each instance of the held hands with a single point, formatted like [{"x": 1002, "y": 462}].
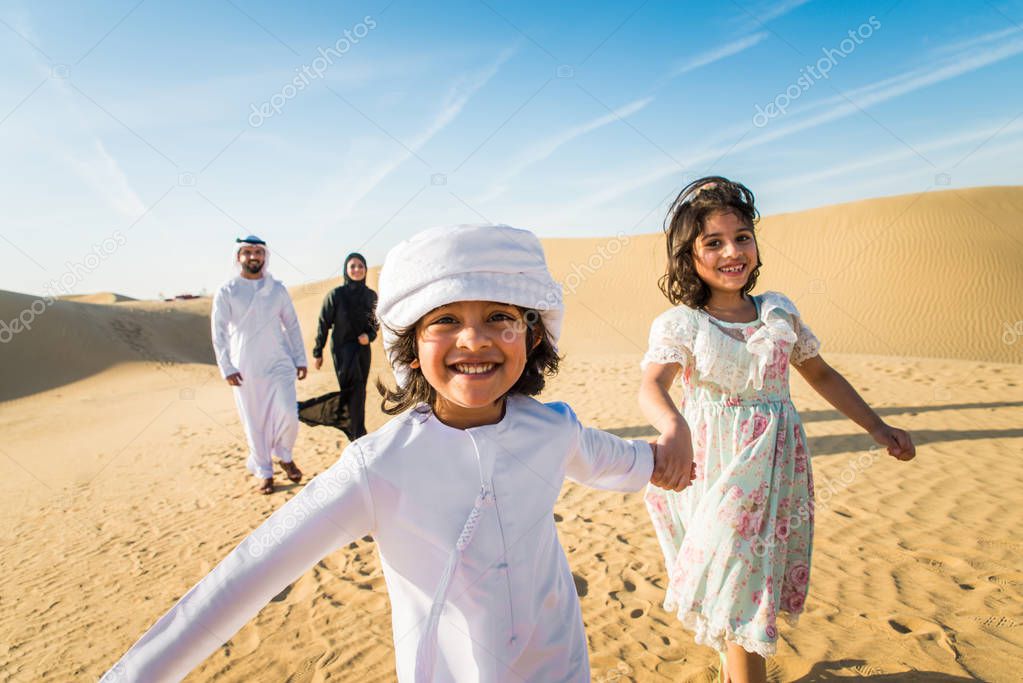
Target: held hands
[
  {"x": 897, "y": 441},
  {"x": 364, "y": 339},
  {"x": 673, "y": 462}
]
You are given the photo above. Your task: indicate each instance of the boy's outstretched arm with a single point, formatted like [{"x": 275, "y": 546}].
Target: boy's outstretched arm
[
  {"x": 673, "y": 468},
  {"x": 332, "y": 510},
  {"x": 837, "y": 391}
]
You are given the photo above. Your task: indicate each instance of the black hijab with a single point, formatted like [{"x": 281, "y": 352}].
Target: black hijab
[
  {"x": 357, "y": 298},
  {"x": 349, "y": 282}
]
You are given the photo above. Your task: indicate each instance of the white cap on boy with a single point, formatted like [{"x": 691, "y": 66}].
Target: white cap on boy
[{"x": 452, "y": 263}]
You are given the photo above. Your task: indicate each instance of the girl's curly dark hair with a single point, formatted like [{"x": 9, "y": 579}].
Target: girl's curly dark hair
[
  {"x": 686, "y": 220},
  {"x": 541, "y": 362}
]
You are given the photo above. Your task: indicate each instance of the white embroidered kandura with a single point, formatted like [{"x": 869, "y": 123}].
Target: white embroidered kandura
[
  {"x": 463, "y": 516},
  {"x": 256, "y": 332}
]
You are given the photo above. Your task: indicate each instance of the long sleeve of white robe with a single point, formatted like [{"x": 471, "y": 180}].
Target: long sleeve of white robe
[
  {"x": 293, "y": 333},
  {"x": 604, "y": 461},
  {"x": 220, "y": 320},
  {"x": 333, "y": 510},
  {"x": 512, "y": 613}
]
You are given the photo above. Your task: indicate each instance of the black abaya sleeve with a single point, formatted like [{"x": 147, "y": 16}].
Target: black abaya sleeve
[{"x": 325, "y": 323}]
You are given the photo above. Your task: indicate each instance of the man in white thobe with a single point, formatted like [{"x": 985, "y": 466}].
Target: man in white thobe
[{"x": 258, "y": 344}]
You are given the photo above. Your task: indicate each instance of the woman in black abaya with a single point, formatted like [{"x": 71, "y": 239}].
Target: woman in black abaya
[{"x": 350, "y": 310}]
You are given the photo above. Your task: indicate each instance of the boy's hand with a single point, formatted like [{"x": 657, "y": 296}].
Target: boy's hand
[
  {"x": 673, "y": 462},
  {"x": 897, "y": 441}
]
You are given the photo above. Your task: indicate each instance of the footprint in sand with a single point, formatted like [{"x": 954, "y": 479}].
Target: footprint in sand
[
  {"x": 901, "y": 628},
  {"x": 306, "y": 669},
  {"x": 867, "y": 670},
  {"x": 1001, "y": 544},
  {"x": 914, "y": 625},
  {"x": 999, "y": 622},
  {"x": 582, "y": 586},
  {"x": 921, "y": 628}
]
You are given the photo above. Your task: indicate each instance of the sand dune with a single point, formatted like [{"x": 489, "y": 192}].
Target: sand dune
[
  {"x": 97, "y": 298},
  {"x": 933, "y": 274},
  {"x": 926, "y": 275},
  {"x": 66, "y": 341},
  {"x": 125, "y": 480}
]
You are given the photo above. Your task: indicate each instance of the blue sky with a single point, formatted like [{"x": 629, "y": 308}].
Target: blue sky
[{"x": 140, "y": 123}]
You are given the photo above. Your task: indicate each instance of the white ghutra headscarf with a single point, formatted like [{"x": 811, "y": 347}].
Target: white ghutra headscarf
[{"x": 251, "y": 241}]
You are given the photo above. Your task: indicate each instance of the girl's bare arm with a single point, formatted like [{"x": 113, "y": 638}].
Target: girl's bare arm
[
  {"x": 675, "y": 439},
  {"x": 837, "y": 391}
]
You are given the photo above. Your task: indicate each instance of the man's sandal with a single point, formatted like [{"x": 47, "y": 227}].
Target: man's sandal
[
  {"x": 268, "y": 486},
  {"x": 291, "y": 469}
]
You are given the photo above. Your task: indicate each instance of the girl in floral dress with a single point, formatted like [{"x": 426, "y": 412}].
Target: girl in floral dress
[{"x": 738, "y": 541}]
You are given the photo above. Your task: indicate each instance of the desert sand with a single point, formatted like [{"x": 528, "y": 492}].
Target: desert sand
[{"x": 125, "y": 480}]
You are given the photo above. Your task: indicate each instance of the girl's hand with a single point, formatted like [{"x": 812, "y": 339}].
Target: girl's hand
[
  {"x": 364, "y": 339},
  {"x": 318, "y": 362},
  {"x": 673, "y": 462},
  {"x": 897, "y": 441}
]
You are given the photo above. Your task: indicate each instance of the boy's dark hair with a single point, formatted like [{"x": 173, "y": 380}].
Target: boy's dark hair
[
  {"x": 541, "y": 362},
  {"x": 685, "y": 222}
]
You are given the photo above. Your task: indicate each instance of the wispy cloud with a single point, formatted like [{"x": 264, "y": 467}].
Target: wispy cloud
[
  {"x": 758, "y": 14},
  {"x": 976, "y": 41},
  {"x": 716, "y": 54},
  {"x": 81, "y": 148},
  {"x": 958, "y": 140},
  {"x": 981, "y": 53},
  {"x": 546, "y": 147},
  {"x": 458, "y": 96},
  {"x": 953, "y": 59},
  {"x": 778, "y": 9},
  {"x": 100, "y": 170}
]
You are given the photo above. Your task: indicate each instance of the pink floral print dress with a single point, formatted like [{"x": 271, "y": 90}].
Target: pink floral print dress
[{"x": 737, "y": 543}]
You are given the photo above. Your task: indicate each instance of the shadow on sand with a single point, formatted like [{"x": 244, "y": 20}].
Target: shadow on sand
[
  {"x": 837, "y": 671},
  {"x": 831, "y": 444}
]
